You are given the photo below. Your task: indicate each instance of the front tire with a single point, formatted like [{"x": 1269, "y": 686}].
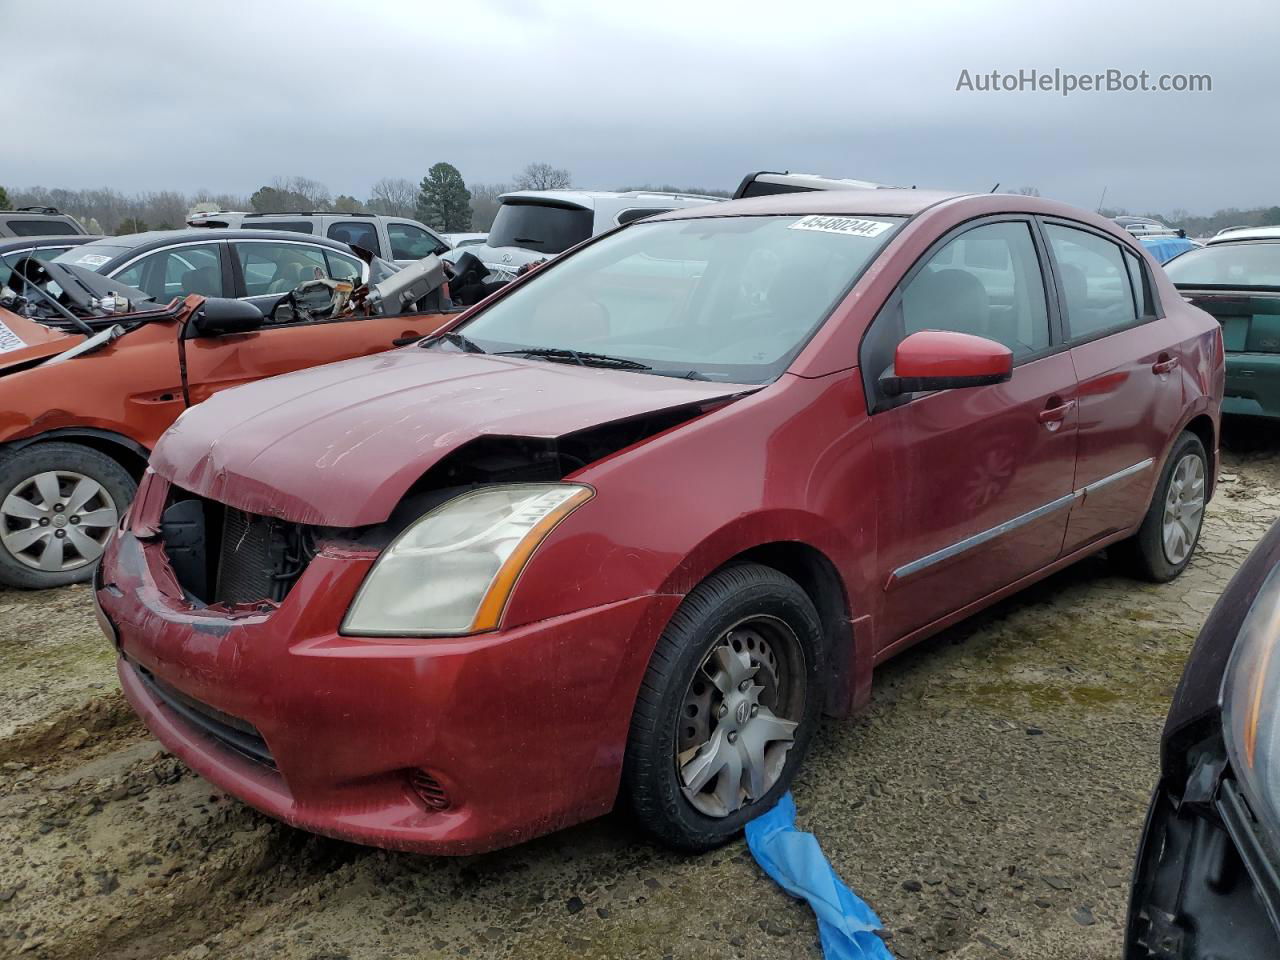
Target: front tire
[
  {"x": 727, "y": 708},
  {"x": 1166, "y": 541},
  {"x": 58, "y": 504}
]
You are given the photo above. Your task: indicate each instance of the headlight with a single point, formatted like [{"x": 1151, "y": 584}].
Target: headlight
[
  {"x": 1251, "y": 702},
  {"x": 452, "y": 570}
]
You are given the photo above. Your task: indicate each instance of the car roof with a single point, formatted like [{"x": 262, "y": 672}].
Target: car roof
[
  {"x": 47, "y": 240},
  {"x": 886, "y": 202},
  {"x": 588, "y": 198},
  {"x": 159, "y": 238},
  {"x": 1246, "y": 233}
]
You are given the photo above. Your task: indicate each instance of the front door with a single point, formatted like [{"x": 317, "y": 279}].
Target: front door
[
  {"x": 975, "y": 484},
  {"x": 271, "y": 269}
]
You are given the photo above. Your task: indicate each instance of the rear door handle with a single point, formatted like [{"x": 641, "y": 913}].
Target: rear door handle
[
  {"x": 1166, "y": 364},
  {"x": 1052, "y": 417}
]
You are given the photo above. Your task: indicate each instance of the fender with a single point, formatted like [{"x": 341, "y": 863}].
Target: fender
[{"x": 74, "y": 433}]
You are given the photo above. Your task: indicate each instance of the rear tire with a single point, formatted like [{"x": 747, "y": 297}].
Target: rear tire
[
  {"x": 58, "y": 504},
  {"x": 1166, "y": 541},
  {"x": 727, "y": 709}
]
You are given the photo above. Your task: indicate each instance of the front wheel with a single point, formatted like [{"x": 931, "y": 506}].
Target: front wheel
[
  {"x": 1163, "y": 545},
  {"x": 59, "y": 503},
  {"x": 727, "y": 709}
]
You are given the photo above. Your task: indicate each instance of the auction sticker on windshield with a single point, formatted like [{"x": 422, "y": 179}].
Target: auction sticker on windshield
[
  {"x": 853, "y": 226},
  {"x": 10, "y": 340},
  {"x": 92, "y": 260}
]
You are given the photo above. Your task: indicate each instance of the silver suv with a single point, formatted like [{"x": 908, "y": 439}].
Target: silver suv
[
  {"x": 38, "y": 222},
  {"x": 392, "y": 238}
]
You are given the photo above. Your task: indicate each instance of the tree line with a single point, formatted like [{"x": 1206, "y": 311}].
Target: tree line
[{"x": 442, "y": 199}]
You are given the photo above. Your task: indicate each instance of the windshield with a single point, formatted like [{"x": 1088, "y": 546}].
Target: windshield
[
  {"x": 1228, "y": 265},
  {"x": 92, "y": 256},
  {"x": 719, "y": 298},
  {"x": 539, "y": 226}
]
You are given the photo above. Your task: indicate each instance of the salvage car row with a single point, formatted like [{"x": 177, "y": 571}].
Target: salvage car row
[{"x": 630, "y": 525}]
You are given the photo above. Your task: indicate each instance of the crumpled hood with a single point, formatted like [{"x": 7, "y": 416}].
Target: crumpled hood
[
  {"x": 339, "y": 445},
  {"x": 23, "y": 340}
]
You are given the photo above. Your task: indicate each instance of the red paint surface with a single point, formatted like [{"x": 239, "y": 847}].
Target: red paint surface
[
  {"x": 946, "y": 353},
  {"x": 526, "y": 726}
]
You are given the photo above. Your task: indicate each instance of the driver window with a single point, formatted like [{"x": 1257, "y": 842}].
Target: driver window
[
  {"x": 278, "y": 267},
  {"x": 986, "y": 282}
]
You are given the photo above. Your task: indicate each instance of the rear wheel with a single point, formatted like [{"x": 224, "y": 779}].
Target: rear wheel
[
  {"x": 727, "y": 709},
  {"x": 1163, "y": 545},
  {"x": 59, "y": 503}
]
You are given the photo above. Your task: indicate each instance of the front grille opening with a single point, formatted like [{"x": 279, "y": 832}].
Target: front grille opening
[
  {"x": 221, "y": 555},
  {"x": 233, "y": 733}
]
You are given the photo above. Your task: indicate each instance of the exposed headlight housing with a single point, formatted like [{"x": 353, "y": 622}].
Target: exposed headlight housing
[
  {"x": 451, "y": 571},
  {"x": 1251, "y": 703}
]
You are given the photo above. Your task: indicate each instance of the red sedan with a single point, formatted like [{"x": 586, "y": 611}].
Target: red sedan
[{"x": 631, "y": 526}]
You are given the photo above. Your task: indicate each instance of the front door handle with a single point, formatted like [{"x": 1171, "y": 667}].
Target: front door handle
[
  {"x": 1053, "y": 416},
  {"x": 407, "y": 339},
  {"x": 1165, "y": 365}
]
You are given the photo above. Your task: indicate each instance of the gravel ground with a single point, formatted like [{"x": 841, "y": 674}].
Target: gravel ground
[{"x": 987, "y": 804}]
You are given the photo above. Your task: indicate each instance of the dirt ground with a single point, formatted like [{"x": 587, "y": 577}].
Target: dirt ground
[{"x": 987, "y": 805}]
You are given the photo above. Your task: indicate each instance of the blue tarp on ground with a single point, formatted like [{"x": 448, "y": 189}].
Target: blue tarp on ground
[
  {"x": 1165, "y": 248},
  {"x": 846, "y": 925}
]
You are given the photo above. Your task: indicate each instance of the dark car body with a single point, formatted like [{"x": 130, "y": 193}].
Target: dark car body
[
  {"x": 1237, "y": 280},
  {"x": 237, "y": 264},
  {"x": 1207, "y": 881},
  {"x": 899, "y": 512}
]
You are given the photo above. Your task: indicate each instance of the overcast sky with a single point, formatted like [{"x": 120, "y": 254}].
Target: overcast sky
[{"x": 142, "y": 95}]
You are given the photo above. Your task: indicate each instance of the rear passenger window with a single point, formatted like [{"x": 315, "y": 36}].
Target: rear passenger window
[
  {"x": 1141, "y": 288},
  {"x": 1096, "y": 282},
  {"x": 986, "y": 282},
  {"x": 356, "y": 233}
]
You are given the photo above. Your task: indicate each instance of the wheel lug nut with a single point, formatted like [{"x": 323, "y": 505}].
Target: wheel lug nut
[
  {"x": 733, "y": 738},
  {"x": 57, "y": 508},
  {"x": 724, "y": 710},
  {"x": 75, "y": 519},
  {"x": 44, "y": 521},
  {"x": 744, "y": 685},
  {"x": 755, "y": 708},
  {"x": 60, "y": 534}
]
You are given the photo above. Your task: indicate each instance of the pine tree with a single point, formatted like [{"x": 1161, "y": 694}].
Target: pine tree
[{"x": 444, "y": 202}]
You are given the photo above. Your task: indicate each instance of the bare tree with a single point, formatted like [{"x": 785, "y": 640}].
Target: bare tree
[
  {"x": 484, "y": 203},
  {"x": 543, "y": 176},
  {"x": 313, "y": 191},
  {"x": 394, "y": 197},
  {"x": 1028, "y": 191}
]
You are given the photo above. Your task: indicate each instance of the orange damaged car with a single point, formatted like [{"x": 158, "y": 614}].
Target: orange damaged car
[{"x": 93, "y": 371}]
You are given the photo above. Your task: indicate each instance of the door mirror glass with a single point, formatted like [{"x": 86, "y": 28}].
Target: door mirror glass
[
  {"x": 946, "y": 360},
  {"x": 220, "y": 317}
]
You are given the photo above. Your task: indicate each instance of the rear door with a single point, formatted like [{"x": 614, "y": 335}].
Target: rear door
[
  {"x": 1126, "y": 357},
  {"x": 975, "y": 484}
]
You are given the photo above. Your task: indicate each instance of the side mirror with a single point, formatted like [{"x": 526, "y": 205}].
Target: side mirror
[
  {"x": 219, "y": 317},
  {"x": 945, "y": 360}
]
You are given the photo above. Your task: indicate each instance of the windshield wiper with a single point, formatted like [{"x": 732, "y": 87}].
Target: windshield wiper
[
  {"x": 457, "y": 339},
  {"x": 579, "y": 357}
]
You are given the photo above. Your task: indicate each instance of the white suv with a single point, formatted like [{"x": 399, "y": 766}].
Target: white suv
[
  {"x": 392, "y": 238},
  {"x": 536, "y": 224}
]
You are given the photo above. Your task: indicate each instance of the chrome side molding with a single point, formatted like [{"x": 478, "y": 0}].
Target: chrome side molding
[{"x": 977, "y": 539}]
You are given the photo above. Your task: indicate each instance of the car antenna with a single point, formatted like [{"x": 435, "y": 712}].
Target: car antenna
[
  {"x": 1101, "y": 198},
  {"x": 995, "y": 188}
]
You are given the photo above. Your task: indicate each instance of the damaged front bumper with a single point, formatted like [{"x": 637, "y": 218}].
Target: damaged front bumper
[{"x": 443, "y": 745}]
